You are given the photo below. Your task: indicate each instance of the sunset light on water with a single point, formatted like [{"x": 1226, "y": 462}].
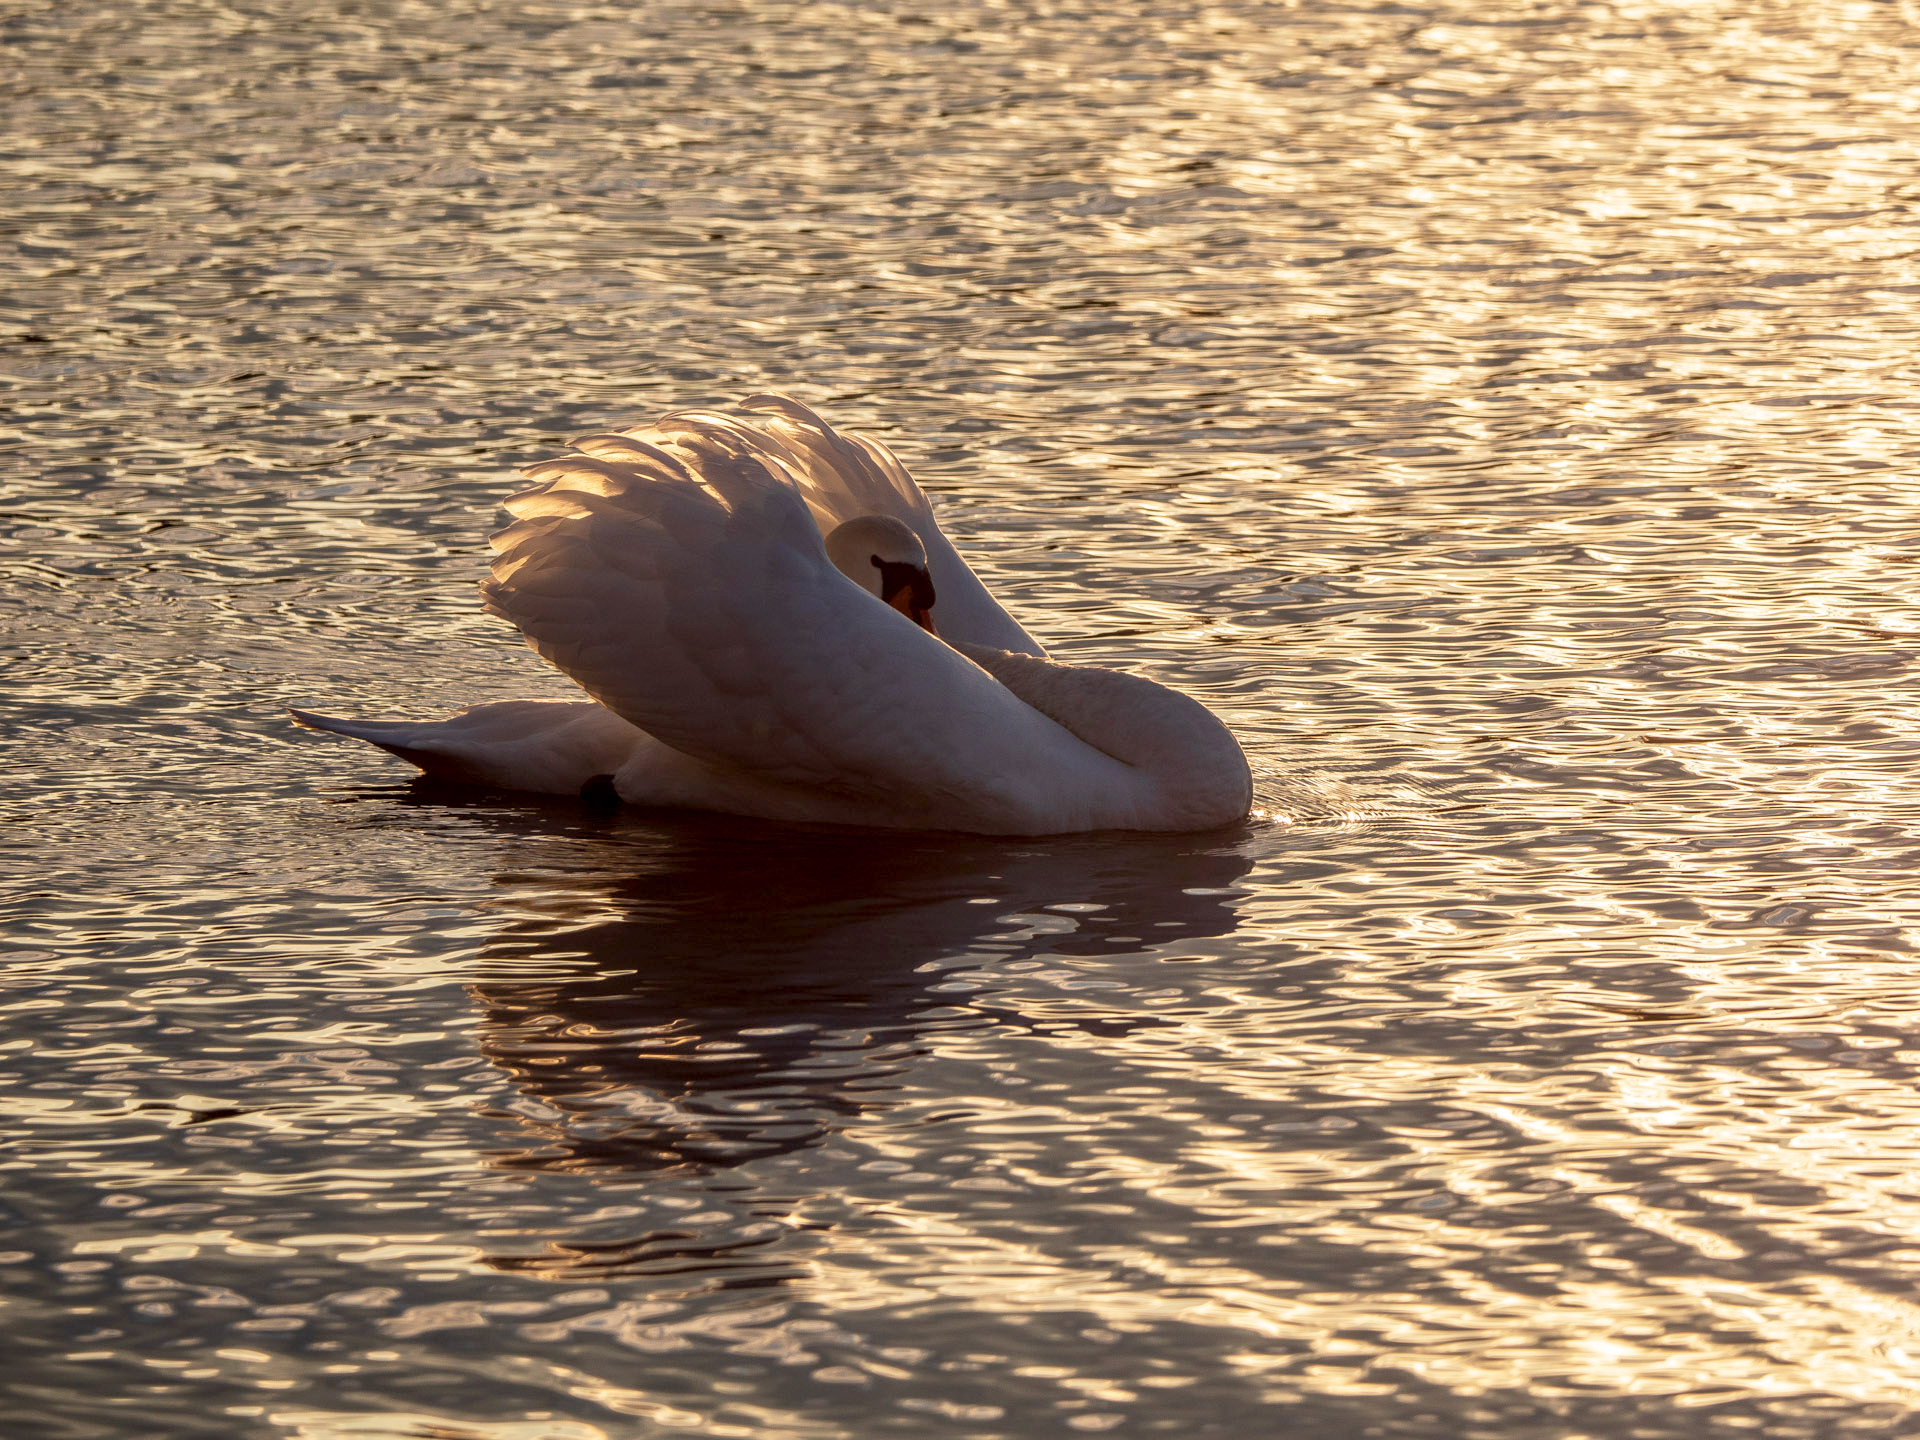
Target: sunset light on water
[{"x": 1501, "y": 416}]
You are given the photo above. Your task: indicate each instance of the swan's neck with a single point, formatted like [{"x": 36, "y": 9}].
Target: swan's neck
[{"x": 1193, "y": 773}]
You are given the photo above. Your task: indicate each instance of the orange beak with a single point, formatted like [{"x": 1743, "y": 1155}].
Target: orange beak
[
  {"x": 908, "y": 589},
  {"x": 907, "y": 602}
]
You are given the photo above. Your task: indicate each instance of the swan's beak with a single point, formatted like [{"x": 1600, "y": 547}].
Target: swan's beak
[{"x": 909, "y": 589}]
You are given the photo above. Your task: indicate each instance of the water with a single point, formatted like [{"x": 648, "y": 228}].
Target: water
[{"x": 1501, "y": 413}]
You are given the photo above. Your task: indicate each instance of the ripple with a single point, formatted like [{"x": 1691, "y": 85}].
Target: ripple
[{"x": 1502, "y": 417}]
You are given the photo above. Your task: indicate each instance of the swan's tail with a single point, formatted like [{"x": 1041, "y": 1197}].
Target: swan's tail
[
  {"x": 412, "y": 740},
  {"x": 387, "y": 734},
  {"x": 550, "y": 746}
]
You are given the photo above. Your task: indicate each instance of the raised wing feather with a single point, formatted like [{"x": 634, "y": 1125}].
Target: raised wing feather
[
  {"x": 843, "y": 475},
  {"x": 680, "y": 579}
]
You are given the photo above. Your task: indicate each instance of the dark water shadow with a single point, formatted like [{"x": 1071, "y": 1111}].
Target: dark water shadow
[{"x": 705, "y": 991}]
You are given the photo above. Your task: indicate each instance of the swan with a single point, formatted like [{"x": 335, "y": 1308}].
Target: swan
[{"x": 769, "y": 622}]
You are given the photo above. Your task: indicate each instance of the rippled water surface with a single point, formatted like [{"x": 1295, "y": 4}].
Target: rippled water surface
[{"x": 1502, "y": 413}]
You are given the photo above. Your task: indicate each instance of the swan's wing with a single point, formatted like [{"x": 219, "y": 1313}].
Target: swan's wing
[
  {"x": 843, "y": 475},
  {"x": 682, "y": 583}
]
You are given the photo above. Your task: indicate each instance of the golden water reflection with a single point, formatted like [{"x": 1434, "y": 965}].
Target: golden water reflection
[{"x": 1502, "y": 414}]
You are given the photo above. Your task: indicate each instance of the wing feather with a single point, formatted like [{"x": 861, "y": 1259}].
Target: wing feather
[
  {"x": 843, "y": 475},
  {"x": 679, "y": 577}
]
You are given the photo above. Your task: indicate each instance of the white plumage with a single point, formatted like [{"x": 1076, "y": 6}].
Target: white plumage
[{"x": 680, "y": 575}]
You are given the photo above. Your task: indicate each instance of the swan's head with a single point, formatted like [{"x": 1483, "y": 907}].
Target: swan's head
[{"x": 885, "y": 558}]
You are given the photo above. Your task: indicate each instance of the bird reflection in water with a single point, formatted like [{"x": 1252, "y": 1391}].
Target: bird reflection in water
[{"x": 710, "y": 992}]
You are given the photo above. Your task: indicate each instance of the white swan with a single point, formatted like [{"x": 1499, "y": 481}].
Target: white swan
[{"x": 771, "y": 623}]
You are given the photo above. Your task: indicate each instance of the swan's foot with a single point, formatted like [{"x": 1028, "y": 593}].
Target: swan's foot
[{"x": 598, "y": 794}]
